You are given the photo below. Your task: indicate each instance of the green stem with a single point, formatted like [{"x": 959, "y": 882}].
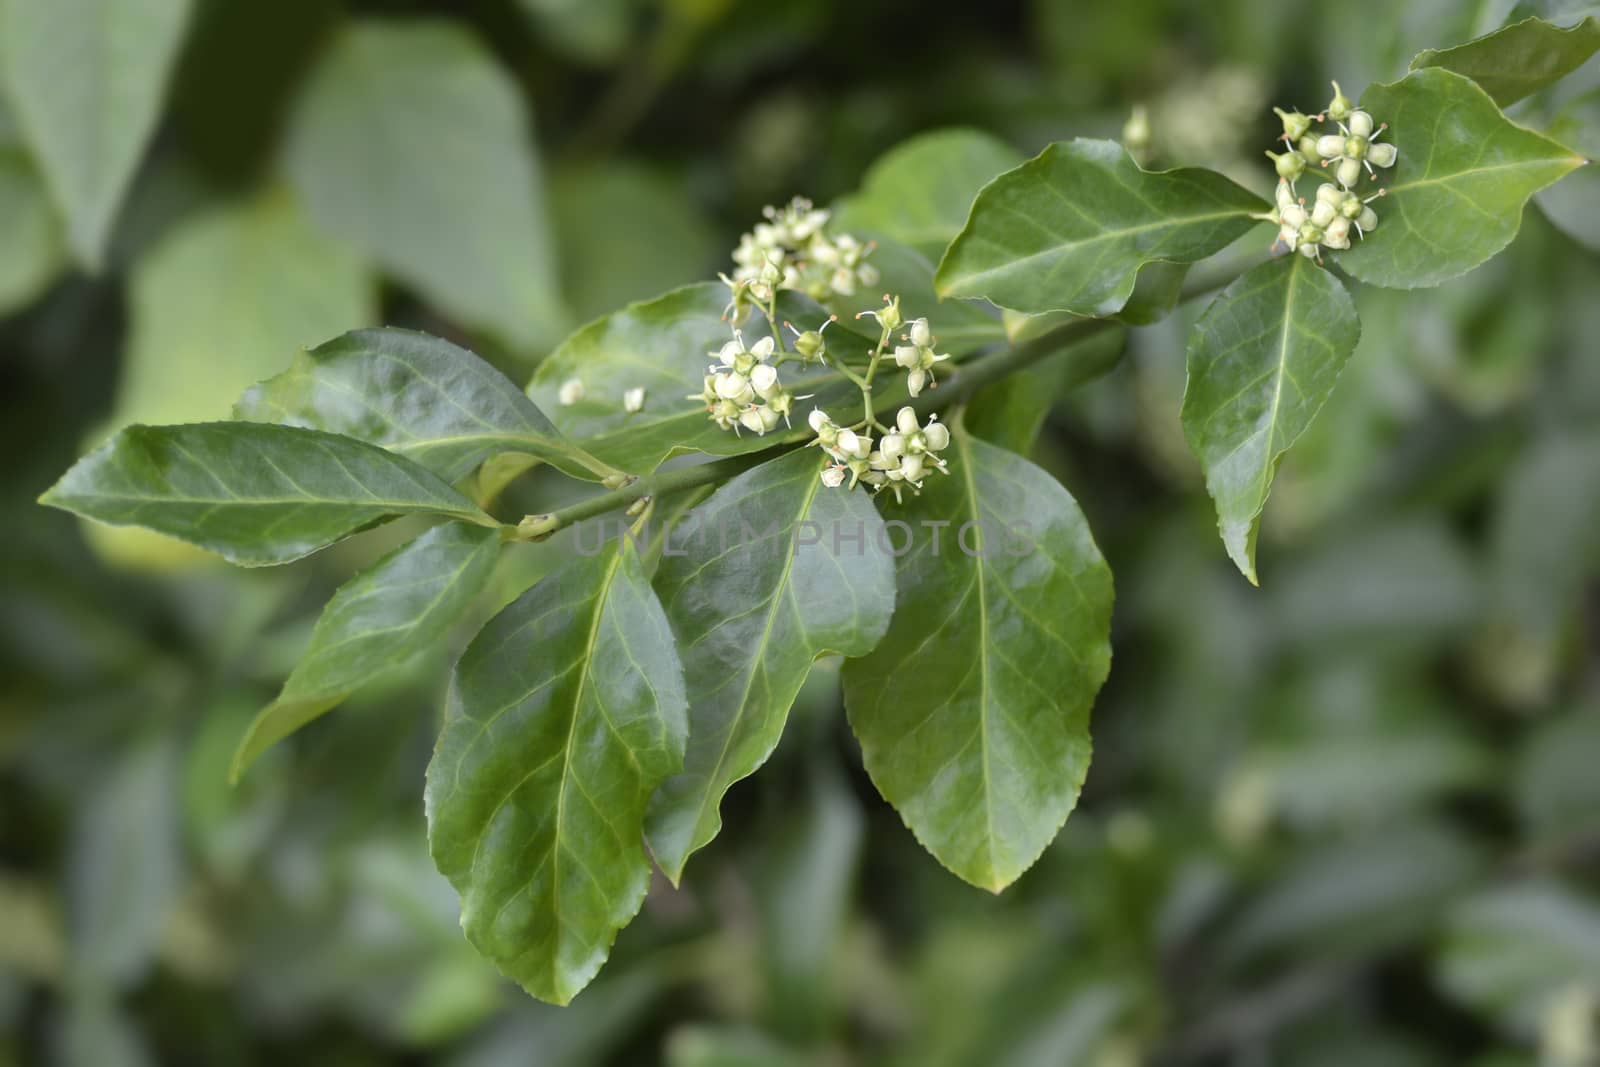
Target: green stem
[{"x": 970, "y": 377}]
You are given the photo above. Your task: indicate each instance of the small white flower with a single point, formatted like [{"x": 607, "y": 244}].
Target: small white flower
[
  {"x": 571, "y": 391},
  {"x": 732, "y": 386},
  {"x": 759, "y": 419},
  {"x": 764, "y": 379},
  {"x": 633, "y": 400},
  {"x": 833, "y": 477}
]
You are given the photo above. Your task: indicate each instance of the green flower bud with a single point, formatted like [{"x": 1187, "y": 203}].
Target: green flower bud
[
  {"x": 1289, "y": 165},
  {"x": 1341, "y": 106},
  {"x": 1295, "y": 124}
]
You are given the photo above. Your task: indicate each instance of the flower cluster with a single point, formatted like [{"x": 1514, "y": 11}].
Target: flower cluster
[
  {"x": 904, "y": 455},
  {"x": 1338, "y": 207},
  {"x": 742, "y": 387},
  {"x": 793, "y": 250}
]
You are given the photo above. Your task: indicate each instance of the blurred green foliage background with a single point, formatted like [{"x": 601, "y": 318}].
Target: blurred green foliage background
[{"x": 1351, "y": 819}]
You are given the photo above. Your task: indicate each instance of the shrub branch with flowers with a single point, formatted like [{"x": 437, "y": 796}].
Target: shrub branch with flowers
[{"x": 844, "y": 479}]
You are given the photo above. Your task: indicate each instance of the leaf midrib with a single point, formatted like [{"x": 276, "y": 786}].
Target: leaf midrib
[{"x": 964, "y": 446}]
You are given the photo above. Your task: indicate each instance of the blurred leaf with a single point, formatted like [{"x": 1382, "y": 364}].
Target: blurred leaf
[
  {"x": 1456, "y": 191},
  {"x": 1512, "y": 950},
  {"x": 757, "y": 585},
  {"x": 663, "y": 346},
  {"x": 718, "y": 1046},
  {"x": 595, "y": 31},
  {"x": 30, "y": 236},
  {"x": 577, "y": 1035},
  {"x": 566, "y": 711},
  {"x": 1545, "y": 535},
  {"x": 1518, "y": 60},
  {"x": 972, "y": 712},
  {"x": 1555, "y": 787},
  {"x": 1070, "y": 229},
  {"x": 1262, "y": 361},
  {"x": 602, "y": 215},
  {"x": 1391, "y": 585},
  {"x": 425, "y": 398},
  {"x": 225, "y": 487},
  {"x": 223, "y": 301},
  {"x": 806, "y": 883},
  {"x": 920, "y": 191},
  {"x": 1010, "y": 412},
  {"x": 1343, "y": 899},
  {"x": 394, "y": 609},
  {"x": 413, "y": 144},
  {"x": 87, "y": 78},
  {"x": 124, "y": 871},
  {"x": 1570, "y": 204},
  {"x": 90, "y": 1030},
  {"x": 227, "y": 826}
]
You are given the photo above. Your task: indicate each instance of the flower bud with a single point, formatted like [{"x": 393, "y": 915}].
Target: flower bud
[
  {"x": 1290, "y": 164},
  {"x": 809, "y": 345},
  {"x": 889, "y": 318},
  {"x": 1340, "y": 107},
  {"x": 1295, "y": 124}
]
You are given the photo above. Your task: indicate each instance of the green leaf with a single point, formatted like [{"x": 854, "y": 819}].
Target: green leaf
[
  {"x": 565, "y": 713},
  {"x": 222, "y": 297},
  {"x": 413, "y": 144},
  {"x": 770, "y": 573},
  {"x": 425, "y": 398},
  {"x": 1570, "y": 203},
  {"x": 1262, "y": 361},
  {"x": 388, "y": 613},
  {"x": 920, "y": 191},
  {"x": 1456, "y": 192},
  {"x": 256, "y": 495},
  {"x": 973, "y": 711},
  {"x": 1070, "y": 229},
  {"x": 1011, "y": 411},
  {"x": 663, "y": 346},
  {"x": 1518, "y": 60},
  {"x": 30, "y": 237},
  {"x": 86, "y": 78}
]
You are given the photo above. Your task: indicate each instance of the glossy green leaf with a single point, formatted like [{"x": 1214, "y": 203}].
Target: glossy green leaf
[
  {"x": 31, "y": 249},
  {"x": 664, "y": 346},
  {"x": 420, "y": 396},
  {"x": 973, "y": 711},
  {"x": 413, "y": 144},
  {"x": 920, "y": 191},
  {"x": 1070, "y": 229},
  {"x": 86, "y": 78},
  {"x": 1456, "y": 192},
  {"x": 1262, "y": 361},
  {"x": 1518, "y": 60},
  {"x": 254, "y": 494},
  {"x": 773, "y": 571},
  {"x": 565, "y": 713},
  {"x": 1570, "y": 203},
  {"x": 388, "y": 613},
  {"x": 1011, "y": 411}
]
